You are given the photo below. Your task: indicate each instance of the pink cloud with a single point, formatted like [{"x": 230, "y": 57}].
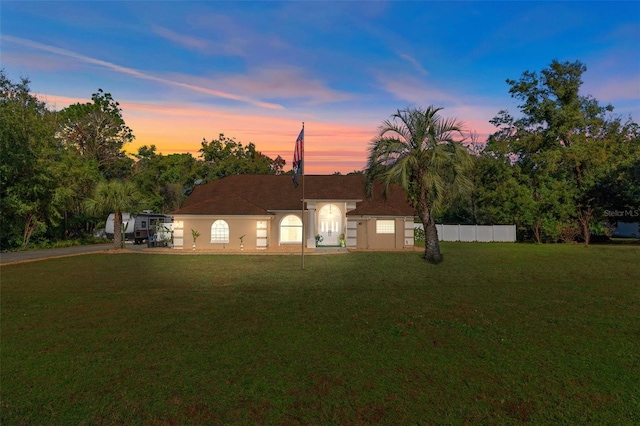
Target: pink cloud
[
  {"x": 180, "y": 129},
  {"x": 60, "y": 102},
  {"x": 623, "y": 88},
  {"x": 330, "y": 147},
  {"x": 475, "y": 118},
  {"x": 282, "y": 82}
]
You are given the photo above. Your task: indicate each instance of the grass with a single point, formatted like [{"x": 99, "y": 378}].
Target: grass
[{"x": 498, "y": 334}]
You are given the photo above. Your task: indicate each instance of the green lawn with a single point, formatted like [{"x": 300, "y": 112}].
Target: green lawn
[{"x": 498, "y": 334}]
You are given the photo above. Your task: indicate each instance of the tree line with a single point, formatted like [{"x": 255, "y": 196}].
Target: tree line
[
  {"x": 560, "y": 167},
  {"x": 557, "y": 169},
  {"x": 56, "y": 165}
]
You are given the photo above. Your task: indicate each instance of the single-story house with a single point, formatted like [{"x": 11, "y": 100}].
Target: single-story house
[{"x": 265, "y": 212}]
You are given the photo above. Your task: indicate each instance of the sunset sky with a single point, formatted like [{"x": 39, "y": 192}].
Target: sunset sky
[{"x": 184, "y": 71}]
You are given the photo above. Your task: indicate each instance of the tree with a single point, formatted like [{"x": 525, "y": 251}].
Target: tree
[
  {"x": 416, "y": 150},
  {"x": 77, "y": 180},
  {"x": 97, "y": 132},
  {"x": 164, "y": 180},
  {"x": 28, "y": 188},
  {"x": 567, "y": 146},
  {"x": 225, "y": 156},
  {"x": 114, "y": 197}
]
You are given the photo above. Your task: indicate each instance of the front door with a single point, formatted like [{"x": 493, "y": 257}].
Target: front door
[{"x": 330, "y": 224}]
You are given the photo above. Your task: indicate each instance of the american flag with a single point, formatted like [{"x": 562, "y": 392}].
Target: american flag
[{"x": 298, "y": 157}]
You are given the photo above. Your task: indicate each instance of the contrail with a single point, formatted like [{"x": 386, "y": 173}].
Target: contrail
[{"x": 136, "y": 73}]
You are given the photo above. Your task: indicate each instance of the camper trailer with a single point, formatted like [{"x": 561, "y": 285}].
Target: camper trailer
[
  {"x": 127, "y": 225},
  {"x": 154, "y": 228},
  {"x": 144, "y": 227}
]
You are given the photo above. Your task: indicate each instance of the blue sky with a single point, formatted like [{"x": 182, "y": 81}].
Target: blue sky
[{"x": 184, "y": 71}]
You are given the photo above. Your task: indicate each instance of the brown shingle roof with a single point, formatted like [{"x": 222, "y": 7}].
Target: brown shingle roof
[{"x": 262, "y": 194}]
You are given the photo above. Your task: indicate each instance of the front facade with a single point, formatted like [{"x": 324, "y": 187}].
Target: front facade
[{"x": 266, "y": 212}]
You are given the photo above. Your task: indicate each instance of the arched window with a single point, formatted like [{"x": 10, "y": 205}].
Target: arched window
[
  {"x": 220, "y": 232},
  {"x": 291, "y": 229}
]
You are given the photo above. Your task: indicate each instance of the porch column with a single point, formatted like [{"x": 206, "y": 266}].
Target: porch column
[{"x": 311, "y": 225}]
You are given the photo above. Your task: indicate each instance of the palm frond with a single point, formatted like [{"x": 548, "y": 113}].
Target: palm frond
[{"x": 417, "y": 149}]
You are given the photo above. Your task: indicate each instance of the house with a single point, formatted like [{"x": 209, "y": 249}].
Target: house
[{"x": 265, "y": 212}]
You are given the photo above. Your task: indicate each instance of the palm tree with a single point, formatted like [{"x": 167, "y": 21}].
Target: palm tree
[
  {"x": 415, "y": 149},
  {"x": 117, "y": 197}
]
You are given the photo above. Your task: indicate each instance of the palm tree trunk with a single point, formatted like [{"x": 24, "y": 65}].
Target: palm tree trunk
[
  {"x": 431, "y": 244},
  {"x": 117, "y": 230}
]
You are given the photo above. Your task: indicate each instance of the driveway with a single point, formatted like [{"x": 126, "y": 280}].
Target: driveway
[{"x": 31, "y": 255}]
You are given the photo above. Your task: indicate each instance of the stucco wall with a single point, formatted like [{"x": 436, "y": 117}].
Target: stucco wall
[
  {"x": 237, "y": 227},
  {"x": 361, "y": 234},
  {"x": 368, "y": 239}
]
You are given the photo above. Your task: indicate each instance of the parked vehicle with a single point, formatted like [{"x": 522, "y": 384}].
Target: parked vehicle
[
  {"x": 127, "y": 224},
  {"x": 143, "y": 227},
  {"x": 627, "y": 230},
  {"x": 152, "y": 228}
]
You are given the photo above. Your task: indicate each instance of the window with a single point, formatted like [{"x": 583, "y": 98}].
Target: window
[
  {"x": 385, "y": 226},
  {"x": 291, "y": 229},
  {"x": 220, "y": 232}
]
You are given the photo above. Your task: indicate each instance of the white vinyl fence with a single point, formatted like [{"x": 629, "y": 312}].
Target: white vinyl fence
[{"x": 469, "y": 233}]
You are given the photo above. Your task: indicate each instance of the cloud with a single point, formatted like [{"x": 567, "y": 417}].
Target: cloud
[
  {"x": 281, "y": 82},
  {"x": 60, "y": 102},
  {"x": 414, "y": 62},
  {"x": 614, "y": 75},
  {"x": 623, "y": 88},
  {"x": 414, "y": 90},
  {"x": 221, "y": 34},
  {"x": 475, "y": 118},
  {"x": 137, "y": 73},
  {"x": 180, "y": 128},
  {"x": 213, "y": 45},
  {"x": 192, "y": 43},
  {"x": 36, "y": 63}
]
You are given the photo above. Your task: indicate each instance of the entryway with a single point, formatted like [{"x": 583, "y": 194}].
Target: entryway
[{"x": 330, "y": 224}]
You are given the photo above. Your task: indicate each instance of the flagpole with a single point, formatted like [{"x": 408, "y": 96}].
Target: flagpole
[{"x": 302, "y": 211}]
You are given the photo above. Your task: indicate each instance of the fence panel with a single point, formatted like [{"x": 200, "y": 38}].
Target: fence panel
[
  {"x": 467, "y": 233},
  {"x": 470, "y": 233},
  {"x": 485, "y": 234},
  {"x": 449, "y": 233},
  {"x": 504, "y": 233}
]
